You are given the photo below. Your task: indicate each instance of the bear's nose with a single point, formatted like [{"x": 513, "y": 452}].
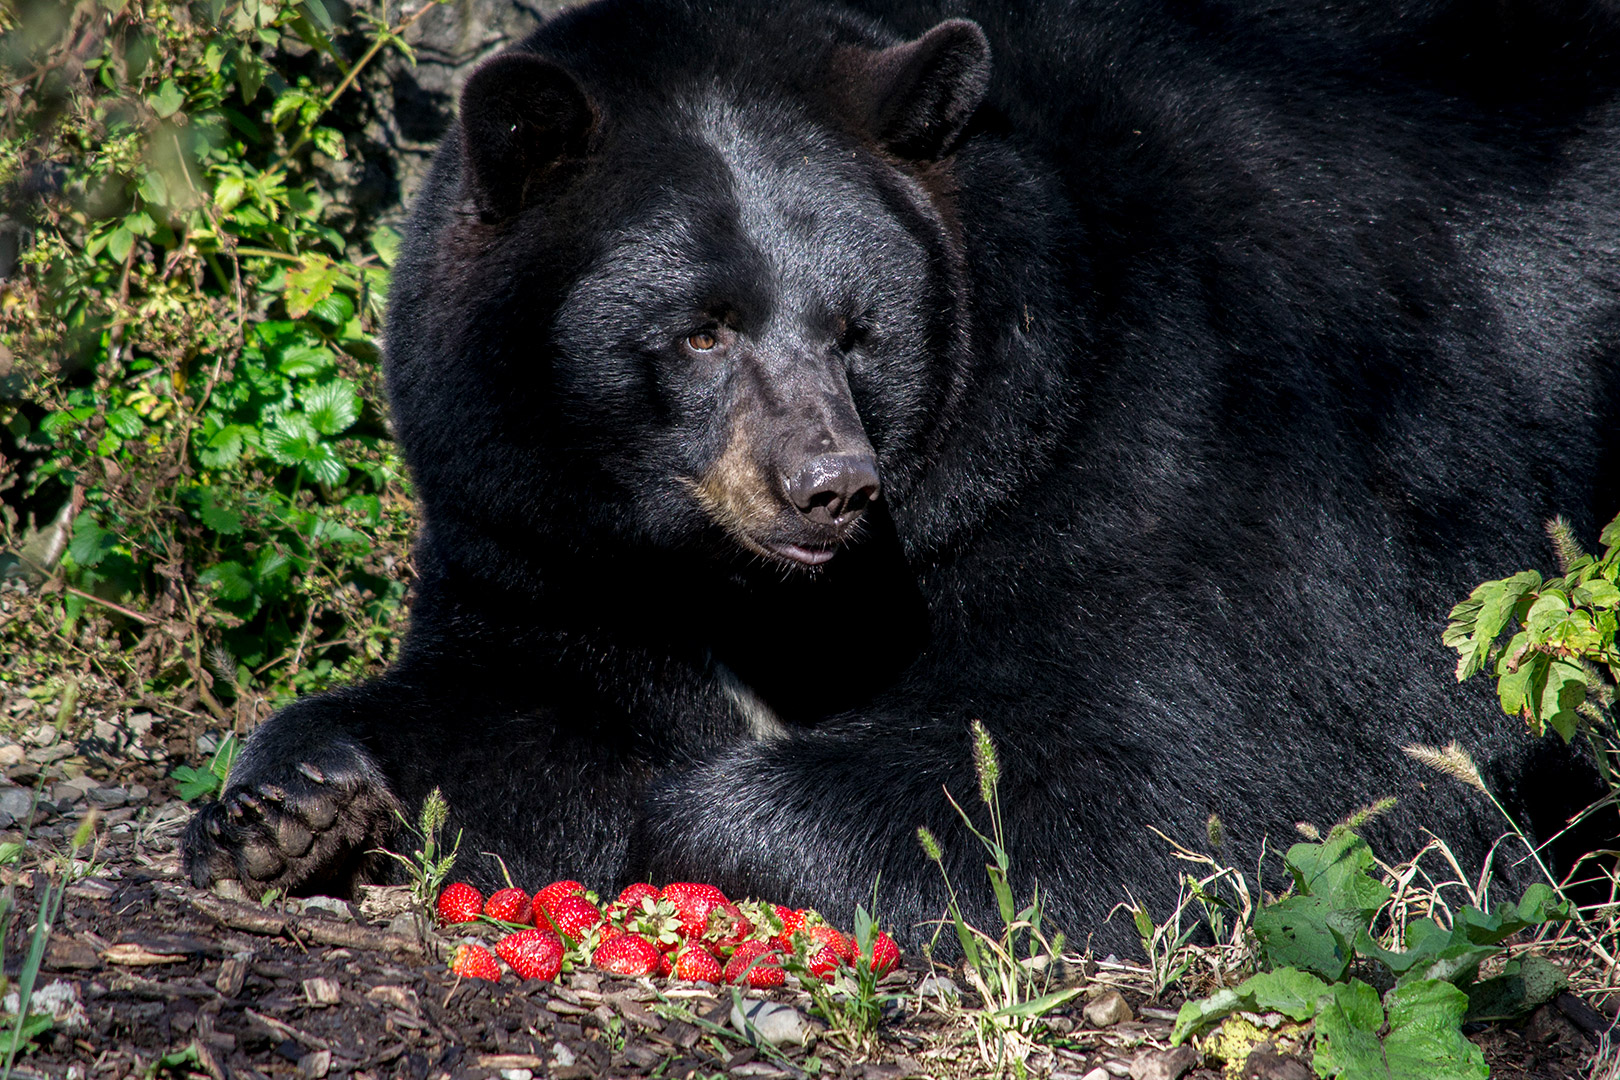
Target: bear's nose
[{"x": 833, "y": 488}]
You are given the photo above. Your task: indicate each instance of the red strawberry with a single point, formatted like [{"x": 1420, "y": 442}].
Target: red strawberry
[
  {"x": 634, "y": 894},
  {"x": 608, "y": 931},
  {"x": 756, "y": 963},
  {"x": 725, "y": 928},
  {"x": 692, "y": 902},
  {"x": 554, "y": 892},
  {"x": 627, "y": 954},
  {"x": 658, "y": 921},
  {"x": 791, "y": 920},
  {"x": 533, "y": 954},
  {"x": 475, "y": 962},
  {"x": 824, "y": 960},
  {"x": 885, "y": 954},
  {"x": 842, "y": 946},
  {"x": 573, "y": 916},
  {"x": 460, "y": 903},
  {"x": 696, "y": 965},
  {"x": 666, "y": 966},
  {"x": 508, "y": 905}
]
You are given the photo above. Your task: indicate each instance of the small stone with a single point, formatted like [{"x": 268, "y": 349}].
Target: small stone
[
  {"x": 14, "y": 804},
  {"x": 106, "y": 732},
  {"x": 49, "y": 755},
  {"x": 42, "y": 735},
  {"x": 329, "y": 904},
  {"x": 139, "y": 723},
  {"x": 1099, "y": 1073},
  {"x": 207, "y": 744},
  {"x": 774, "y": 1022},
  {"x": 1163, "y": 1064},
  {"x": 517, "y": 1074},
  {"x": 138, "y": 792},
  {"x": 231, "y": 889},
  {"x": 1108, "y": 1010},
  {"x": 12, "y": 754},
  {"x": 107, "y": 798},
  {"x": 59, "y": 998},
  {"x": 1264, "y": 1063},
  {"x": 562, "y": 1056},
  {"x": 939, "y": 986}
]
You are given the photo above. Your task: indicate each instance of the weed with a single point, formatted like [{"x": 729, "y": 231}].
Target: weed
[
  {"x": 427, "y": 866},
  {"x": 1012, "y": 971},
  {"x": 209, "y": 781}
]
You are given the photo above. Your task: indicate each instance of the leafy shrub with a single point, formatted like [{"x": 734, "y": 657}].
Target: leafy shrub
[{"x": 201, "y": 498}]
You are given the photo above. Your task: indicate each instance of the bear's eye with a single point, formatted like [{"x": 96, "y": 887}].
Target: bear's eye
[{"x": 702, "y": 341}]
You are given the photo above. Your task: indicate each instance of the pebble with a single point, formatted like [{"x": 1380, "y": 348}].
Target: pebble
[
  {"x": 776, "y": 1023},
  {"x": 1163, "y": 1064},
  {"x": 107, "y": 798},
  {"x": 14, "y": 804},
  {"x": 939, "y": 986},
  {"x": 1108, "y": 1010},
  {"x": 49, "y": 755},
  {"x": 12, "y": 754},
  {"x": 517, "y": 1074},
  {"x": 329, "y": 904},
  {"x": 42, "y": 735},
  {"x": 1099, "y": 1073},
  {"x": 563, "y": 1056}
]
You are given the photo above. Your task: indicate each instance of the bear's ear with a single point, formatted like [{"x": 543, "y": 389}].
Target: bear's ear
[
  {"x": 917, "y": 97},
  {"x": 520, "y": 116}
]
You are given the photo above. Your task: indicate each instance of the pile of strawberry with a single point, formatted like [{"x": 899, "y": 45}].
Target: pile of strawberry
[{"x": 685, "y": 930}]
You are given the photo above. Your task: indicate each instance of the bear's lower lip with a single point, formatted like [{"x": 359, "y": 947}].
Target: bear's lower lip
[{"x": 807, "y": 556}]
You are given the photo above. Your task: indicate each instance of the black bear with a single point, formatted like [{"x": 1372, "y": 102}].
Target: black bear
[{"x": 787, "y": 385}]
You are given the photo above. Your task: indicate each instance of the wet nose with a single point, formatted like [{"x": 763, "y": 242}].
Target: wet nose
[{"x": 833, "y": 488}]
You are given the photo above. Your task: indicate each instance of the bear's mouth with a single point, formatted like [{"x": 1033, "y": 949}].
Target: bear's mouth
[{"x": 804, "y": 556}]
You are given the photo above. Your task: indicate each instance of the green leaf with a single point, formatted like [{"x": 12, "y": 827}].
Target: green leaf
[
  {"x": 228, "y": 191},
  {"x": 1563, "y": 693},
  {"x": 329, "y": 141},
  {"x": 311, "y": 283},
  {"x": 335, "y": 310},
  {"x": 119, "y": 242},
  {"x": 1598, "y": 593},
  {"x": 192, "y": 784},
  {"x": 1347, "y": 1026},
  {"x": 166, "y": 101},
  {"x": 1200, "y": 1013},
  {"x": 385, "y": 242},
  {"x": 126, "y": 422},
  {"x": 322, "y": 462},
  {"x": 1425, "y": 1040},
  {"x": 1300, "y": 932},
  {"x": 223, "y": 447},
  {"x": 218, "y": 518},
  {"x": 1495, "y": 600},
  {"x": 91, "y": 543},
  {"x": 290, "y": 439},
  {"x": 229, "y": 579},
  {"x": 332, "y": 407},
  {"x": 1523, "y": 986},
  {"x": 305, "y": 359},
  {"x": 249, "y": 73},
  {"x": 1292, "y": 992},
  {"x": 1340, "y": 870}
]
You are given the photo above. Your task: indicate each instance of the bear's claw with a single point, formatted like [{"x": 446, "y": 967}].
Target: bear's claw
[{"x": 308, "y": 827}]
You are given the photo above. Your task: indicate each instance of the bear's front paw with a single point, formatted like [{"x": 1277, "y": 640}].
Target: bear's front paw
[{"x": 310, "y": 825}]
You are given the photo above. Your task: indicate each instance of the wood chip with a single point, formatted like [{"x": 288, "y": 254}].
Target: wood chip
[
  {"x": 322, "y": 991},
  {"x": 510, "y": 1061},
  {"x": 130, "y": 954},
  {"x": 232, "y": 973}
]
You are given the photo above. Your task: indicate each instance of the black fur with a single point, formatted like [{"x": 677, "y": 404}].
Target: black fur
[{"x": 1208, "y": 353}]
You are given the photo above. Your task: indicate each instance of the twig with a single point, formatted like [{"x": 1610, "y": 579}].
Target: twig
[{"x": 256, "y": 920}]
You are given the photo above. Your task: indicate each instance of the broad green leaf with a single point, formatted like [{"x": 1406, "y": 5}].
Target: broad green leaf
[
  {"x": 332, "y": 407},
  {"x": 322, "y": 462},
  {"x": 219, "y": 518},
  {"x": 228, "y": 191},
  {"x": 1561, "y": 694},
  {"x": 126, "y": 422},
  {"x": 1598, "y": 593},
  {"x": 1496, "y": 602},
  {"x": 290, "y": 439},
  {"x": 91, "y": 543},
  {"x": 1425, "y": 1040},
  {"x": 310, "y": 284},
  {"x": 305, "y": 359},
  {"x": 230, "y": 579},
  {"x": 1347, "y": 1024},
  {"x": 1340, "y": 870},
  {"x": 1524, "y": 985},
  {"x": 223, "y": 447},
  {"x": 335, "y": 310},
  {"x": 1289, "y": 991},
  {"x": 167, "y": 99},
  {"x": 1202, "y": 1012},
  {"x": 119, "y": 242},
  {"x": 385, "y": 242},
  {"x": 1299, "y": 932},
  {"x": 329, "y": 141}
]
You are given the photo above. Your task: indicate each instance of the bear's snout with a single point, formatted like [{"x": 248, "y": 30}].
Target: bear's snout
[{"x": 831, "y": 490}]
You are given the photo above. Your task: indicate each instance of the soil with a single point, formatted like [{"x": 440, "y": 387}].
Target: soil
[{"x": 153, "y": 977}]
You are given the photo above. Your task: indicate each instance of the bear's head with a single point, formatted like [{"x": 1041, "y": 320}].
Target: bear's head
[{"x": 655, "y": 295}]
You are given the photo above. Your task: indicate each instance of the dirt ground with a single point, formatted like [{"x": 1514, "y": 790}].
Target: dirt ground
[{"x": 151, "y": 977}]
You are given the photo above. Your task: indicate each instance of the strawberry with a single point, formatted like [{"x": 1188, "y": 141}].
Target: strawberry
[
  {"x": 634, "y": 894},
  {"x": 725, "y": 928},
  {"x": 885, "y": 954},
  {"x": 696, "y": 965},
  {"x": 666, "y": 966},
  {"x": 755, "y": 962},
  {"x": 573, "y": 916},
  {"x": 509, "y": 905},
  {"x": 459, "y": 903},
  {"x": 791, "y": 920},
  {"x": 692, "y": 902},
  {"x": 824, "y": 960},
  {"x": 842, "y": 946},
  {"x": 554, "y": 892},
  {"x": 532, "y": 954},
  {"x": 657, "y": 920},
  {"x": 627, "y": 954},
  {"x": 475, "y": 962}
]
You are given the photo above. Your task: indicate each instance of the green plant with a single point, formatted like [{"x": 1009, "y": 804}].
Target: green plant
[
  {"x": 428, "y": 866},
  {"x": 209, "y": 781},
  {"x": 1316, "y": 942},
  {"x": 194, "y": 457},
  {"x": 1560, "y": 662},
  {"x": 1011, "y": 970},
  {"x": 850, "y": 1003}
]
